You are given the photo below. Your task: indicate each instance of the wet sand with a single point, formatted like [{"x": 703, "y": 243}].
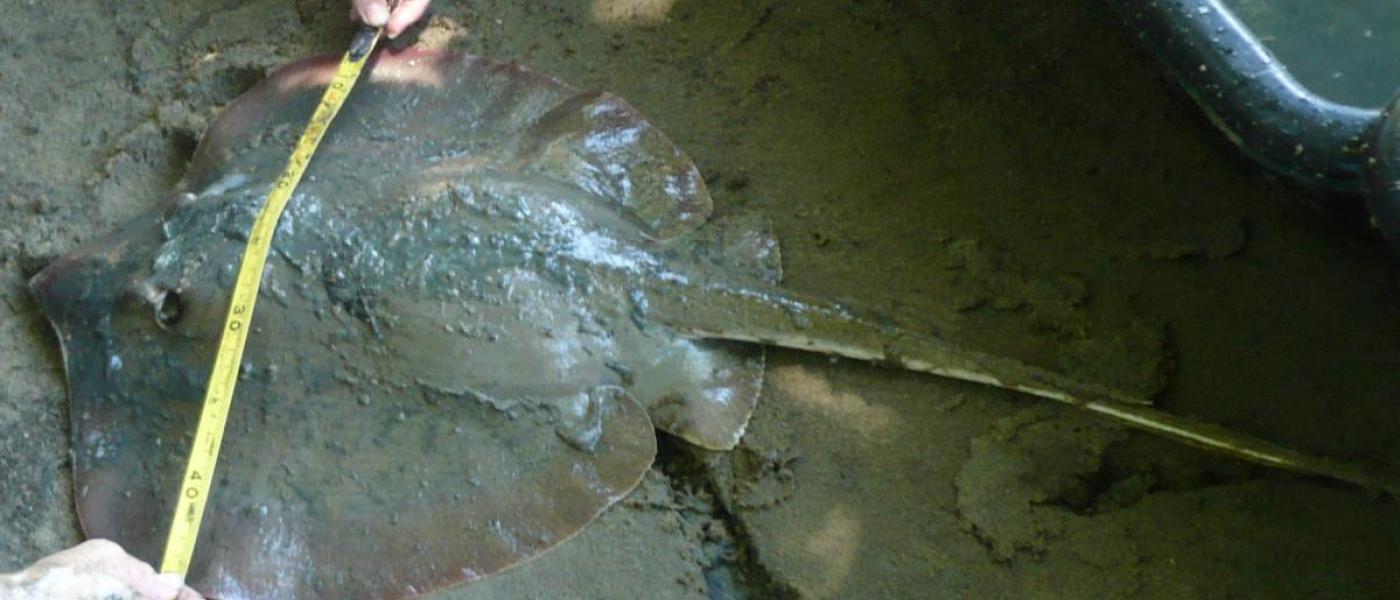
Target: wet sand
[{"x": 1015, "y": 174}]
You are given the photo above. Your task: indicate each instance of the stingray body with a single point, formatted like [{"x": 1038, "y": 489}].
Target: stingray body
[
  {"x": 450, "y": 368},
  {"x": 486, "y": 293}
]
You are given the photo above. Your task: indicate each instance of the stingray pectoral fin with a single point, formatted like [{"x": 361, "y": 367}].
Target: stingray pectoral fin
[
  {"x": 469, "y": 487},
  {"x": 601, "y": 144},
  {"x": 358, "y": 489},
  {"x": 780, "y": 318}
]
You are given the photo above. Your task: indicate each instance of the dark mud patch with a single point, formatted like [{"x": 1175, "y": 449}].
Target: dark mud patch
[
  {"x": 35, "y": 476},
  {"x": 1042, "y": 470},
  {"x": 732, "y": 568}
]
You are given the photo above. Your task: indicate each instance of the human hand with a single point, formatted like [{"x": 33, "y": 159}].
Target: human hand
[
  {"x": 376, "y": 13},
  {"x": 95, "y": 569}
]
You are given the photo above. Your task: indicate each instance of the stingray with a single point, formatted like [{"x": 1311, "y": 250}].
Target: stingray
[{"x": 487, "y": 294}]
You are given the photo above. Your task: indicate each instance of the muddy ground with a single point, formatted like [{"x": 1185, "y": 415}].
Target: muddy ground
[{"x": 1015, "y": 172}]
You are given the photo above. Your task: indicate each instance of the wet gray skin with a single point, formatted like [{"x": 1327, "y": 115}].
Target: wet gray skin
[{"x": 487, "y": 291}]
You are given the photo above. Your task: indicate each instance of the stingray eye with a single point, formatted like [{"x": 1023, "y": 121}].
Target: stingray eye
[{"x": 169, "y": 308}]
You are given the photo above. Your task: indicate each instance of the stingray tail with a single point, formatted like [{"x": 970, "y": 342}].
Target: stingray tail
[{"x": 781, "y": 318}]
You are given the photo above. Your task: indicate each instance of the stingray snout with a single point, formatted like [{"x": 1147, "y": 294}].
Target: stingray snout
[
  {"x": 84, "y": 287},
  {"x": 65, "y": 282}
]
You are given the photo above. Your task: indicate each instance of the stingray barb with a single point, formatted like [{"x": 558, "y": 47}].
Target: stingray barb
[{"x": 488, "y": 292}]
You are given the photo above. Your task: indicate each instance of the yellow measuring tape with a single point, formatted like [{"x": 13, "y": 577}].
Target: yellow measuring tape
[{"x": 218, "y": 397}]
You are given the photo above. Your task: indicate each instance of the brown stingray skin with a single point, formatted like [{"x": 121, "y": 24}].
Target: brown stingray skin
[{"x": 448, "y": 373}]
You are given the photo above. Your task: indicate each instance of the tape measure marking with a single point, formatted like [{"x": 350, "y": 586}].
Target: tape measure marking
[{"x": 218, "y": 396}]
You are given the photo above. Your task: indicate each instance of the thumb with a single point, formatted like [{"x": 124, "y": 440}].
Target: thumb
[
  {"x": 167, "y": 585},
  {"x": 173, "y": 587},
  {"x": 374, "y": 13}
]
